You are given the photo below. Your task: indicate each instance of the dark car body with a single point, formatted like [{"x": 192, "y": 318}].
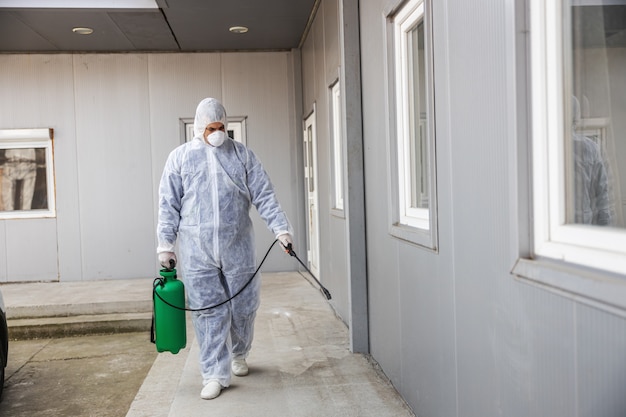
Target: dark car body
[{"x": 4, "y": 342}]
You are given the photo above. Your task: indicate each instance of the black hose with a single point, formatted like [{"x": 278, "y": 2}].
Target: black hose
[
  {"x": 291, "y": 252},
  {"x": 160, "y": 281}
]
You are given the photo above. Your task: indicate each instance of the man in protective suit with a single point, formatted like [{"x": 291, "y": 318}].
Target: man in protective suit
[
  {"x": 206, "y": 190},
  {"x": 592, "y": 201}
]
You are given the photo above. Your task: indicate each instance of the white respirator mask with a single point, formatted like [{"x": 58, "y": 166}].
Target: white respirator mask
[{"x": 216, "y": 138}]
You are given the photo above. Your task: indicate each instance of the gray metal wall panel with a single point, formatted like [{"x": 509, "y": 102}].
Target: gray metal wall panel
[
  {"x": 334, "y": 262},
  {"x": 535, "y": 348},
  {"x": 600, "y": 363},
  {"x": 177, "y": 83},
  {"x": 427, "y": 339},
  {"x": 332, "y": 58},
  {"x": 308, "y": 75},
  {"x": 37, "y": 92},
  {"x": 66, "y": 173},
  {"x": 31, "y": 254},
  {"x": 322, "y": 108},
  {"x": 383, "y": 267},
  {"x": 455, "y": 328},
  {"x": 320, "y": 69},
  {"x": 480, "y": 192},
  {"x": 115, "y": 167}
]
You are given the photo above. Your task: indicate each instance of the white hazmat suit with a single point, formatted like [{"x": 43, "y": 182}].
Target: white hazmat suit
[{"x": 205, "y": 197}]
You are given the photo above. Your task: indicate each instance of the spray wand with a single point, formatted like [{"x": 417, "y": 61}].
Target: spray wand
[
  {"x": 290, "y": 251},
  {"x": 159, "y": 282}
]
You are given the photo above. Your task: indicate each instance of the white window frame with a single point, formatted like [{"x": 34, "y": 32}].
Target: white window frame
[
  {"x": 39, "y": 139},
  {"x": 583, "y": 260},
  {"x": 337, "y": 148},
  {"x": 598, "y": 247},
  {"x": 417, "y": 225}
]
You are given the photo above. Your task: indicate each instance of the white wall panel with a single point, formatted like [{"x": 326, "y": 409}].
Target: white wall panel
[
  {"x": 38, "y": 92},
  {"x": 177, "y": 83},
  {"x": 31, "y": 254},
  {"x": 114, "y": 163}
]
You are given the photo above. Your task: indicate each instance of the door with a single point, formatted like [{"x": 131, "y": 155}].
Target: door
[{"x": 310, "y": 175}]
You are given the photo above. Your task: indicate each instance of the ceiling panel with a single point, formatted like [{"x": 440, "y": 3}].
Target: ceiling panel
[{"x": 178, "y": 25}]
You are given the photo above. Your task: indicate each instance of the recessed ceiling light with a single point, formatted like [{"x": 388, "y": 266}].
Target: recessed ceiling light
[
  {"x": 83, "y": 31},
  {"x": 238, "y": 29}
]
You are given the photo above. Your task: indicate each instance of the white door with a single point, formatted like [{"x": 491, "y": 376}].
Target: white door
[{"x": 310, "y": 175}]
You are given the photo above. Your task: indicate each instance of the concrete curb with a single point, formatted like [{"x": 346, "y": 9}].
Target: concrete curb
[
  {"x": 82, "y": 309},
  {"x": 57, "y": 327}
]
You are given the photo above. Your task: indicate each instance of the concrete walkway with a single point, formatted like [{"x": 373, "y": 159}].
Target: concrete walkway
[{"x": 300, "y": 364}]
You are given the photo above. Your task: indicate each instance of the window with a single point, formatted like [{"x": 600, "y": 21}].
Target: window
[
  {"x": 337, "y": 144},
  {"x": 578, "y": 63},
  {"x": 578, "y": 52},
  {"x": 26, "y": 174},
  {"x": 236, "y": 128},
  {"x": 413, "y": 141}
]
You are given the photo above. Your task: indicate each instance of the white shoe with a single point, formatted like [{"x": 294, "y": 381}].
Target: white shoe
[
  {"x": 211, "y": 390},
  {"x": 239, "y": 367}
]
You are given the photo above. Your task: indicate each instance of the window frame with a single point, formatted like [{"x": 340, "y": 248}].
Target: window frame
[
  {"x": 415, "y": 225},
  {"x": 582, "y": 262},
  {"x": 590, "y": 246},
  {"x": 40, "y": 138}
]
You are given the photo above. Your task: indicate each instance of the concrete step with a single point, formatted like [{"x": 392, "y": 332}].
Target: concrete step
[
  {"x": 61, "y": 309},
  {"x": 79, "y": 325},
  {"x": 77, "y": 309}
]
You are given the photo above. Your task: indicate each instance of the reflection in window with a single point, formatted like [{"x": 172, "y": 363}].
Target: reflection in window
[
  {"x": 309, "y": 158},
  {"x": 23, "y": 184},
  {"x": 26, "y": 174},
  {"x": 418, "y": 119},
  {"x": 595, "y": 70}
]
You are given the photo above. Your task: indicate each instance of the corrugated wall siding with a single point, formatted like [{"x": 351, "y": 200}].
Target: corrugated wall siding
[
  {"x": 116, "y": 117},
  {"x": 320, "y": 70},
  {"x": 455, "y": 331}
]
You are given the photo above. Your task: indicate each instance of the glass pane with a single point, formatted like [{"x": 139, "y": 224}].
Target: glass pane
[
  {"x": 595, "y": 77},
  {"x": 309, "y": 161},
  {"x": 337, "y": 156},
  {"x": 23, "y": 183},
  {"x": 418, "y": 175}
]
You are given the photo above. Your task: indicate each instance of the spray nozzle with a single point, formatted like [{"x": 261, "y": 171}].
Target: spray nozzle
[{"x": 289, "y": 249}]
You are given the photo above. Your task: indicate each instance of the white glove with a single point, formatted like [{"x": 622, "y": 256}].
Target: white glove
[
  {"x": 165, "y": 258},
  {"x": 286, "y": 240}
]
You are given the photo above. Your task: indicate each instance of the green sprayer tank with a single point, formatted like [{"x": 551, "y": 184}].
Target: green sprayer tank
[{"x": 170, "y": 330}]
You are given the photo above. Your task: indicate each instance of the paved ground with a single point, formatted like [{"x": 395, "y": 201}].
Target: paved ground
[
  {"x": 300, "y": 364},
  {"x": 76, "y": 376}
]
